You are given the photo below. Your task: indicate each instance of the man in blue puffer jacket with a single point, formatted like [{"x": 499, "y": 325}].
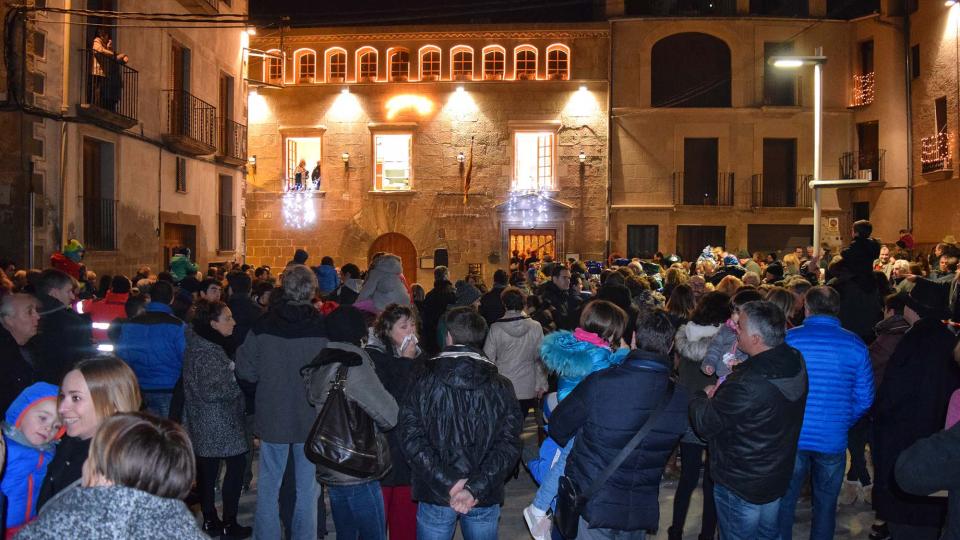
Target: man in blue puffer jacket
[
  {"x": 841, "y": 391},
  {"x": 153, "y": 344}
]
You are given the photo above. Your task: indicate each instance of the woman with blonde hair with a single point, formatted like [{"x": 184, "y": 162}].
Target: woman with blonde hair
[
  {"x": 93, "y": 391},
  {"x": 791, "y": 265},
  {"x": 729, "y": 285},
  {"x": 138, "y": 470}
]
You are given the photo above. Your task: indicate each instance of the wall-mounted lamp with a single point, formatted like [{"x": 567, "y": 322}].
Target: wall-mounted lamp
[
  {"x": 460, "y": 90},
  {"x": 950, "y": 3},
  {"x": 345, "y": 90},
  {"x": 460, "y": 158},
  {"x": 583, "y": 88},
  {"x": 251, "y": 30},
  {"x": 582, "y": 157},
  {"x": 252, "y": 162},
  {"x": 345, "y": 157}
]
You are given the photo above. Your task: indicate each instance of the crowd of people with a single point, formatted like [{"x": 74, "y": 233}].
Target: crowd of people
[{"x": 763, "y": 378}]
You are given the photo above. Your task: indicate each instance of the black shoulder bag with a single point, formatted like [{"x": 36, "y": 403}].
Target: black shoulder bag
[
  {"x": 571, "y": 501},
  {"x": 345, "y": 438}
]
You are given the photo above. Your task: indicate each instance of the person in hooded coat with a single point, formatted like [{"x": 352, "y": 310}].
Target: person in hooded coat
[
  {"x": 384, "y": 285},
  {"x": 513, "y": 345}
]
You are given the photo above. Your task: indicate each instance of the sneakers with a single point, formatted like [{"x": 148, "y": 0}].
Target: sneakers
[
  {"x": 538, "y": 523},
  {"x": 849, "y": 492}
]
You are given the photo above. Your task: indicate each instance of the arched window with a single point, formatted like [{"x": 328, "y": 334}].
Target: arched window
[
  {"x": 690, "y": 70},
  {"x": 366, "y": 64},
  {"x": 525, "y": 62},
  {"x": 494, "y": 62},
  {"x": 274, "y": 67},
  {"x": 399, "y": 64},
  {"x": 429, "y": 63},
  {"x": 558, "y": 62},
  {"x": 461, "y": 58},
  {"x": 336, "y": 63},
  {"x": 306, "y": 62}
]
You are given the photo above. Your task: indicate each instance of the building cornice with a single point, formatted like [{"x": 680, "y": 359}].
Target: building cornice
[{"x": 274, "y": 41}]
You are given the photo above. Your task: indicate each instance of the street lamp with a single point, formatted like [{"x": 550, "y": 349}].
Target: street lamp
[{"x": 817, "y": 61}]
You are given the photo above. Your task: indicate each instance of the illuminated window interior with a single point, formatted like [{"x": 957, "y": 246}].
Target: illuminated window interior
[
  {"x": 494, "y": 65},
  {"x": 525, "y": 64},
  {"x": 533, "y": 159},
  {"x": 336, "y": 66},
  {"x": 430, "y": 65},
  {"x": 367, "y": 66},
  {"x": 274, "y": 68},
  {"x": 558, "y": 63},
  {"x": 306, "y": 149},
  {"x": 462, "y": 64},
  {"x": 399, "y": 65},
  {"x": 307, "y": 67},
  {"x": 393, "y": 161}
]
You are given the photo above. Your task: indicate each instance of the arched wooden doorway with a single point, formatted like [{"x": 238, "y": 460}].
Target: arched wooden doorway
[{"x": 398, "y": 244}]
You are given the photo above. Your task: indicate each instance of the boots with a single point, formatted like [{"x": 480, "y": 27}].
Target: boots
[
  {"x": 234, "y": 531},
  {"x": 213, "y": 527}
]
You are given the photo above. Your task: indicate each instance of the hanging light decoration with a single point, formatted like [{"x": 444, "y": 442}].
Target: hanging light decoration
[
  {"x": 528, "y": 206},
  {"x": 298, "y": 211}
]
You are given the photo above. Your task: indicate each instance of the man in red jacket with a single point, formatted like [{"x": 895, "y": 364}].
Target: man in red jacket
[{"x": 111, "y": 307}]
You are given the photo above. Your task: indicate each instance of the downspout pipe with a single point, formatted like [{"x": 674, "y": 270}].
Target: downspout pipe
[
  {"x": 610, "y": 39},
  {"x": 908, "y": 89}
]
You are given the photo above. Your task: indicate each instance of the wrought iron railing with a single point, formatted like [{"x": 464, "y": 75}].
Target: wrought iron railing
[
  {"x": 689, "y": 191},
  {"x": 936, "y": 153},
  {"x": 225, "y": 231},
  {"x": 191, "y": 117},
  {"x": 109, "y": 84},
  {"x": 863, "y": 90},
  {"x": 231, "y": 139},
  {"x": 866, "y": 165},
  {"x": 796, "y": 194},
  {"x": 100, "y": 223}
]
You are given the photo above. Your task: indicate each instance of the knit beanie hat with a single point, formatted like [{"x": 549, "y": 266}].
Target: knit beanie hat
[
  {"x": 466, "y": 294},
  {"x": 346, "y": 325},
  {"x": 74, "y": 250}
]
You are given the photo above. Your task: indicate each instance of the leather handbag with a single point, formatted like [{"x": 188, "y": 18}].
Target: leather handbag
[
  {"x": 345, "y": 438},
  {"x": 571, "y": 501}
]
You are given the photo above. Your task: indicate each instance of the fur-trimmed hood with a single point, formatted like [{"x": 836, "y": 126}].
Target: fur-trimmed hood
[
  {"x": 693, "y": 340},
  {"x": 573, "y": 359}
]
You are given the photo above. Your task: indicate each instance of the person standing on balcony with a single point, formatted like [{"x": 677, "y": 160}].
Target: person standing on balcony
[
  {"x": 105, "y": 78},
  {"x": 300, "y": 174},
  {"x": 315, "y": 176}
]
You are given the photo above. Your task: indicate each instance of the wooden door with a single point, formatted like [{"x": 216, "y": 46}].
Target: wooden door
[
  {"x": 401, "y": 246},
  {"x": 700, "y": 168},
  {"x": 543, "y": 241},
  {"x": 780, "y": 172},
  {"x": 691, "y": 239},
  {"x": 177, "y": 235}
]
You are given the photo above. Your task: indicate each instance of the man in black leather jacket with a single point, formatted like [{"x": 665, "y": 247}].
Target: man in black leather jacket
[
  {"x": 752, "y": 423},
  {"x": 460, "y": 431}
]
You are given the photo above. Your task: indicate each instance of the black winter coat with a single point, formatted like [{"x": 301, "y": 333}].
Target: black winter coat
[
  {"x": 752, "y": 424},
  {"x": 16, "y": 374},
  {"x": 491, "y": 307},
  {"x": 64, "y": 338},
  {"x": 930, "y": 465},
  {"x": 628, "y": 501},
  {"x": 460, "y": 420},
  {"x": 911, "y": 404},
  {"x": 434, "y": 306},
  {"x": 245, "y": 311},
  {"x": 65, "y": 469},
  {"x": 397, "y": 374},
  {"x": 564, "y": 306},
  {"x": 860, "y": 309},
  {"x": 860, "y": 254}
]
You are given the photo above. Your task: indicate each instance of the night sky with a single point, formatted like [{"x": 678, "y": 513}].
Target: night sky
[{"x": 393, "y": 12}]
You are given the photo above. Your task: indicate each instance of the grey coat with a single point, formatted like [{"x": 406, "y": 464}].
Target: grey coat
[
  {"x": 513, "y": 344},
  {"x": 724, "y": 342},
  {"x": 213, "y": 402},
  {"x": 383, "y": 284},
  {"x": 363, "y": 387},
  {"x": 112, "y": 513}
]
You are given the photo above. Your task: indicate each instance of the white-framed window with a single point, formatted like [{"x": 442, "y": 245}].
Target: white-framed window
[
  {"x": 306, "y": 62},
  {"x": 335, "y": 60},
  {"x": 393, "y": 161},
  {"x": 494, "y": 62},
  {"x": 429, "y": 63},
  {"x": 366, "y": 64},
  {"x": 533, "y": 159},
  {"x": 301, "y": 149},
  {"x": 399, "y": 64},
  {"x": 274, "y": 66},
  {"x": 461, "y": 63},
  {"x": 525, "y": 62},
  {"x": 558, "y": 62}
]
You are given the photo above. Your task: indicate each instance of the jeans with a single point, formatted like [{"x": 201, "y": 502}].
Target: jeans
[
  {"x": 358, "y": 511},
  {"x": 439, "y": 522},
  {"x": 547, "y": 491},
  {"x": 691, "y": 459},
  {"x": 584, "y": 532},
  {"x": 273, "y": 461},
  {"x": 401, "y": 512},
  {"x": 826, "y": 471},
  {"x": 857, "y": 439},
  {"x": 158, "y": 402},
  {"x": 743, "y": 520}
]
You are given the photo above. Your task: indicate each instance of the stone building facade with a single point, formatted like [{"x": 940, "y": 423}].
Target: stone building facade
[
  {"x": 133, "y": 158},
  {"x": 400, "y": 118}
]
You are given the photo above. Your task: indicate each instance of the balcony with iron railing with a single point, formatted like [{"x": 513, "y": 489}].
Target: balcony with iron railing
[
  {"x": 936, "y": 154},
  {"x": 226, "y": 232},
  {"x": 863, "y": 90},
  {"x": 694, "y": 191},
  {"x": 770, "y": 192},
  {"x": 191, "y": 124},
  {"x": 109, "y": 93},
  {"x": 863, "y": 165},
  {"x": 231, "y": 142},
  {"x": 201, "y": 7},
  {"x": 99, "y": 223}
]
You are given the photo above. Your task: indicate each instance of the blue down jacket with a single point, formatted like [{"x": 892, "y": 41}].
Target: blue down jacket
[
  {"x": 152, "y": 344},
  {"x": 841, "y": 382},
  {"x": 573, "y": 359}
]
